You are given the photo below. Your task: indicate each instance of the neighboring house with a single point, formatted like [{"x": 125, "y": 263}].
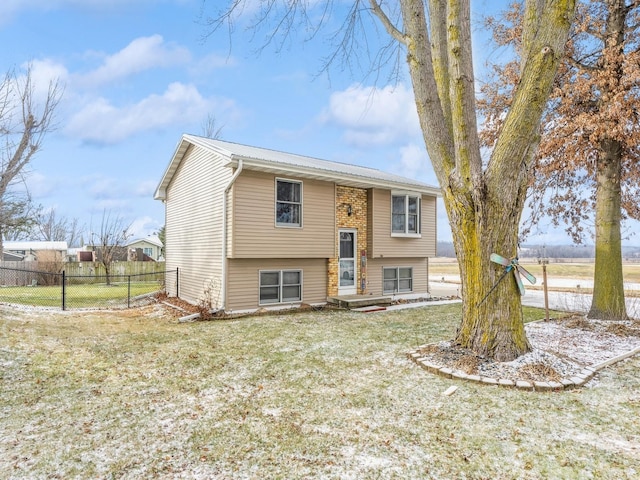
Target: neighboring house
[
  {"x": 150, "y": 247},
  {"x": 42, "y": 251},
  {"x": 93, "y": 253},
  {"x": 249, "y": 227}
]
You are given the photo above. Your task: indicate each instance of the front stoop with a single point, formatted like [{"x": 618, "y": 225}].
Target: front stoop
[{"x": 359, "y": 301}]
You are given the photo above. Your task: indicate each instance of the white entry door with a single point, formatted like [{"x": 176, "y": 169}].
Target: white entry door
[{"x": 347, "y": 282}]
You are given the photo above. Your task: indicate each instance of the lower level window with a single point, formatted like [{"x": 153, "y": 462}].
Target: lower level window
[
  {"x": 280, "y": 286},
  {"x": 397, "y": 279}
]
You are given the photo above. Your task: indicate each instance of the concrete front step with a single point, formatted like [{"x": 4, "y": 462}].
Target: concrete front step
[{"x": 359, "y": 301}]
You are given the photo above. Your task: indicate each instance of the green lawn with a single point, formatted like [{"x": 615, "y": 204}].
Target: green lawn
[
  {"x": 77, "y": 296},
  {"x": 134, "y": 394}
]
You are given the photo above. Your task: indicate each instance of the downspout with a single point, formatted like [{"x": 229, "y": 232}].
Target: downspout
[{"x": 223, "y": 288}]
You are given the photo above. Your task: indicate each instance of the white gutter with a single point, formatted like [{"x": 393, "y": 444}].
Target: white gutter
[{"x": 224, "y": 234}]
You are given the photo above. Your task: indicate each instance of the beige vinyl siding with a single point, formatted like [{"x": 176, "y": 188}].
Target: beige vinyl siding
[
  {"x": 194, "y": 225},
  {"x": 243, "y": 290},
  {"x": 374, "y": 273},
  {"x": 382, "y": 244},
  {"x": 255, "y": 234}
]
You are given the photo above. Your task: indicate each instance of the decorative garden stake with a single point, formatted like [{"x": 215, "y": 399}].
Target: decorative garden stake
[{"x": 510, "y": 265}]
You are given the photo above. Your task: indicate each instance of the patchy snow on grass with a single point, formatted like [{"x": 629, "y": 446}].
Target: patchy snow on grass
[{"x": 310, "y": 395}]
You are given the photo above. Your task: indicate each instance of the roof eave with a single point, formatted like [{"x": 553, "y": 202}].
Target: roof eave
[
  {"x": 325, "y": 175},
  {"x": 174, "y": 163}
]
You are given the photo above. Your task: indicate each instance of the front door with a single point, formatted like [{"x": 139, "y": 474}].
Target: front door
[{"x": 347, "y": 263}]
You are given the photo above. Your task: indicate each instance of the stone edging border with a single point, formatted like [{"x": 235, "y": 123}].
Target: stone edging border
[{"x": 578, "y": 380}]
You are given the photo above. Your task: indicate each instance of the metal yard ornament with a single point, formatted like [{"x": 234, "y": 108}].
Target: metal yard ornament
[{"x": 510, "y": 266}]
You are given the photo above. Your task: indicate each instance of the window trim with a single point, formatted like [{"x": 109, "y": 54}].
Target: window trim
[
  {"x": 407, "y": 196},
  {"x": 397, "y": 280},
  {"x": 276, "y": 201},
  {"x": 280, "y": 286}
]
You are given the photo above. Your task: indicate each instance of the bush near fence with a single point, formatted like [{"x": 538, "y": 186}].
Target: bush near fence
[{"x": 56, "y": 285}]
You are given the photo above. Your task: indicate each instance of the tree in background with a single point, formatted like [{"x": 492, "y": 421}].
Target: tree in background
[
  {"x": 50, "y": 227},
  {"x": 110, "y": 240},
  {"x": 211, "y": 129},
  {"x": 17, "y": 215},
  {"x": 588, "y": 158},
  {"x": 483, "y": 200},
  {"x": 25, "y": 120}
]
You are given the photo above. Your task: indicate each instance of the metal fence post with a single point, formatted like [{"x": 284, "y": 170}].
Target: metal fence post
[
  {"x": 64, "y": 293},
  {"x": 129, "y": 291}
]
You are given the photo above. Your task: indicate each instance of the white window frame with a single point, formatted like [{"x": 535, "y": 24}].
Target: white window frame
[
  {"x": 405, "y": 232},
  {"x": 280, "y": 286},
  {"x": 276, "y": 202},
  {"x": 397, "y": 280}
]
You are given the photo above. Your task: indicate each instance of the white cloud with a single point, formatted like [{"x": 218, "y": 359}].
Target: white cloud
[
  {"x": 373, "y": 116},
  {"x": 103, "y": 122},
  {"x": 41, "y": 186},
  {"x": 141, "y": 54},
  {"x": 144, "y": 226},
  {"x": 146, "y": 188}
]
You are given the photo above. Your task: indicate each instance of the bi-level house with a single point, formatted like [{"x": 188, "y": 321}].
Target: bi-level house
[{"x": 249, "y": 227}]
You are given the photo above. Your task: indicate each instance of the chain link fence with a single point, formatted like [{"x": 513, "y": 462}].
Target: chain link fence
[{"x": 36, "y": 288}]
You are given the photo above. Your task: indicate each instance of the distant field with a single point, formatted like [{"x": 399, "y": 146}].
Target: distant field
[{"x": 559, "y": 270}]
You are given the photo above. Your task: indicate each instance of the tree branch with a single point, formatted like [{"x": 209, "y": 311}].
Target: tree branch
[{"x": 387, "y": 23}]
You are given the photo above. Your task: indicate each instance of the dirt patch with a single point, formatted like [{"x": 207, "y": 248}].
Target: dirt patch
[{"x": 539, "y": 372}]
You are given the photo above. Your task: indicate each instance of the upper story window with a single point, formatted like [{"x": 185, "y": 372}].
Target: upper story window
[
  {"x": 288, "y": 203},
  {"x": 148, "y": 251},
  {"x": 405, "y": 214}
]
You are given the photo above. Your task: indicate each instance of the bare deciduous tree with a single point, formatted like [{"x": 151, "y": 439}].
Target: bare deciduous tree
[
  {"x": 17, "y": 214},
  {"x": 24, "y": 123},
  {"x": 110, "y": 240},
  {"x": 211, "y": 129},
  {"x": 484, "y": 201},
  {"x": 588, "y": 160},
  {"x": 50, "y": 227}
]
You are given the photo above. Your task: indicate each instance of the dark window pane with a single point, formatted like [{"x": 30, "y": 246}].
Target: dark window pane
[
  {"x": 346, "y": 245},
  {"x": 291, "y": 278},
  {"x": 291, "y": 293},
  {"x": 288, "y": 213},
  {"x": 295, "y": 214},
  {"x": 269, "y": 278},
  {"x": 397, "y": 222},
  {"x": 398, "y": 204},
  {"x": 288, "y": 191},
  {"x": 389, "y": 286},
  {"x": 413, "y": 204},
  {"x": 413, "y": 224},
  {"x": 390, "y": 273},
  {"x": 269, "y": 295}
]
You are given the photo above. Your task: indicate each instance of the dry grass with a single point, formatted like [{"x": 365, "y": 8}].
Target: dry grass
[{"x": 305, "y": 395}]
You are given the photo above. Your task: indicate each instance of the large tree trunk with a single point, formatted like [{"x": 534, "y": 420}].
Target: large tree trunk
[
  {"x": 484, "y": 201},
  {"x": 492, "y": 319},
  {"x": 608, "y": 284},
  {"x": 608, "y": 301}
]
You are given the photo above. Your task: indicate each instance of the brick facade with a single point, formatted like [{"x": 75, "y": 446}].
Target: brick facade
[{"x": 356, "y": 198}]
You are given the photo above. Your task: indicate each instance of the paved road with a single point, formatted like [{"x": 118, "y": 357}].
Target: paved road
[{"x": 575, "y": 302}]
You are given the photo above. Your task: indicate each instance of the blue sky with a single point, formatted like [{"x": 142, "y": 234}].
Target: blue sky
[{"x": 138, "y": 74}]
